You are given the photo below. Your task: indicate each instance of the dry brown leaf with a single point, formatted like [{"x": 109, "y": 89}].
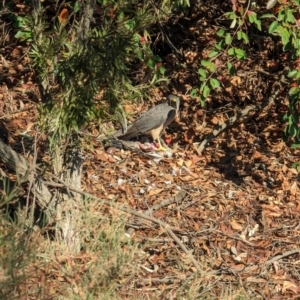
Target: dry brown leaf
[
  {"x": 256, "y": 155},
  {"x": 101, "y": 155},
  {"x": 236, "y": 80},
  {"x": 189, "y": 135},
  {"x": 160, "y": 214},
  {"x": 188, "y": 163},
  {"x": 235, "y": 225},
  {"x": 196, "y": 159},
  {"x": 154, "y": 192},
  {"x": 180, "y": 162},
  {"x": 294, "y": 171},
  {"x": 294, "y": 188},
  {"x": 288, "y": 285},
  {"x": 214, "y": 120},
  {"x": 168, "y": 177}
]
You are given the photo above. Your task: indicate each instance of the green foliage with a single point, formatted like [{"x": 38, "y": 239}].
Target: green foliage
[
  {"x": 285, "y": 26},
  {"x": 231, "y": 41},
  {"x": 25, "y": 33},
  {"x": 166, "y": 6},
  {"x": 226, "y": 41},
  {"x": 72, "y": 72}
]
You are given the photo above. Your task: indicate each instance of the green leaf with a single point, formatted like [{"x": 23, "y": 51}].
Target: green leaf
[
  {"x": 241, "y": 54},
  {"x": 273, "y": 26},
  {"x": 296, "y": 43},
  {"x": 206, "y": 91},
  {"x": 156, "y": 58},
  {"x": 239, "y": 35},
  {"x": 202, "y": 87},
  {"x": 290, "y": 17},
  {"x": 76, "y": 6},
  {"x": 267, "y": 16},
  {"x": 136, "y": 37},
  {"x": 294, "y": 90},
  {"x": 211, "y": 67},
  {"x": 219, "y": 46},
  {"x": 245, "y": 37},
  {"x": 205, "y": 63},
  {"x": 241, "y": 10},
  {"x": 280, "y": 29},
  {"x": 232, "y": 15},
  {"x": 220, "y": 32},
  {"x": 292, "y": 130},
  {"x": 202, "y": 73},
  {"x": 23, "y": 35},
  {"x": 231, "y": 51},
  {"x": 290, "y": 120},
  {"x": 162, "y": 70},
  {"x": 140, "y": 54},
  {"x": 212, "y": 53},
  {"x": 252, "y": 18},
  {"x": 285, "y": 37},
  {"x": 208, "y": 64},
  {"x": 151, "y": 64},
  {"x": 228, "y": 39},
  {"x": 258, "y": 24},
  {"x": 230, "y": 68},
  {"x": 202, "y": 100},
  {"x": 194, "y": 93},
  {"x": 287, "y": 46},
  {"x": 214, "y": 83},
  {"x": 285, "y": 117},
  {"x": 281, "y": 14},
  {"x": 19, "y": 22},
  {"x": 295, "y": 146},
  {"x": 292, "y": 73},
  {"x": 20, "y": 34}
]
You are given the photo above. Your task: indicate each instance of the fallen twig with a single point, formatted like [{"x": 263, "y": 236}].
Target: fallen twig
[{"x": 277, "y": 257}]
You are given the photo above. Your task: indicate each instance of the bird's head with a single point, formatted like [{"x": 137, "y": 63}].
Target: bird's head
[{"x": 174, "y": 101}]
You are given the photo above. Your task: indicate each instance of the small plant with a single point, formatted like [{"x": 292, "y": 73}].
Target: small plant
[
  {"x": 285, "y": 26},
  {"x": 226, "y": 44}
]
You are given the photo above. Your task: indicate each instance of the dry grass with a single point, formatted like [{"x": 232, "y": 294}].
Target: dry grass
[{"x": 35, "y": 266}]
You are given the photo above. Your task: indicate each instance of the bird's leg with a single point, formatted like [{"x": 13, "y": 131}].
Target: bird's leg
[
  {"x": 162, "y": 148},
  {"x": 163, "y": 143}
]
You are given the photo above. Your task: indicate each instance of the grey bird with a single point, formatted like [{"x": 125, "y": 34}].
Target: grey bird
[{"x": 153, "y": 121}]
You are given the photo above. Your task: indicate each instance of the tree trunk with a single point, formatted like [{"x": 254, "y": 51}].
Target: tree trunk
[{"x": 69, "y": 166}]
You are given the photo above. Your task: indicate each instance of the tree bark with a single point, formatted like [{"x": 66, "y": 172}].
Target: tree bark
[
  {"x": 19, "y": 165},
  {"x": 69, "y": 165}
]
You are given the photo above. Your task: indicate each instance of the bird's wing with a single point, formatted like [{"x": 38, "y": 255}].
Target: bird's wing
[
  {"x": 170, "y": 117},
  {"x": 152, "y": 119}
]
